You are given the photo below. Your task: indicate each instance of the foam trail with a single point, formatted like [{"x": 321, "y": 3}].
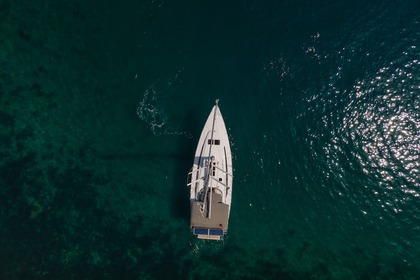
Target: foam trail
[{"x": 150, "y": 112}]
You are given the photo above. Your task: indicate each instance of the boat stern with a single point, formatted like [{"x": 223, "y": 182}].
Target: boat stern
[{"x": 208, "y": 233}]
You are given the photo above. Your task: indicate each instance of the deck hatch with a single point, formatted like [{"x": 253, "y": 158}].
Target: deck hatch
[{"x": 213, "y": 141}]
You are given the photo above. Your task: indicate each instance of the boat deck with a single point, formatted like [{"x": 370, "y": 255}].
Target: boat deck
[
  {"x": 219, "y": 214},
  {"x": 210, "y": 180}
]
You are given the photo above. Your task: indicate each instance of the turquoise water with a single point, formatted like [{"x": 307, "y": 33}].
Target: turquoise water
[{"x": 102, "y": 104}]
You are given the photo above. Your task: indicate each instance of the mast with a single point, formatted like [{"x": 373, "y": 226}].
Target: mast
[
  {"x": 210, "y": 164},
  {"x": 216, "y": 104}
]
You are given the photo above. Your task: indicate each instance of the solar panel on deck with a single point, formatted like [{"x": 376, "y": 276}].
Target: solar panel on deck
[
  {"x": 207, "y": 231},
  {"x": 201, "y": 231},
  {"x": 216, "y": 231}
]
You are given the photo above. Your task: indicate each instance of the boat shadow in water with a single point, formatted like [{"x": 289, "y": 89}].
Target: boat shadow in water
[
  {"x": 184, "y": 157},
  {"x": 185, "y": 146}
]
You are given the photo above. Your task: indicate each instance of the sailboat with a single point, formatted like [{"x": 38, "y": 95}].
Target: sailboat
[{"x": 210, "y": 180}]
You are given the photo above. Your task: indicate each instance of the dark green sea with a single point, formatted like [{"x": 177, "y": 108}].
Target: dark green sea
[{"x": 102, "y": 104}]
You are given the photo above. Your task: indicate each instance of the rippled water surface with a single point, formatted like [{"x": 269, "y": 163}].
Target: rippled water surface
[{"x": 102, "y": 104}]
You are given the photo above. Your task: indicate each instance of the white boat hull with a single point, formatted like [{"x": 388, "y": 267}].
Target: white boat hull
[{"x": 211, "y": 179}]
